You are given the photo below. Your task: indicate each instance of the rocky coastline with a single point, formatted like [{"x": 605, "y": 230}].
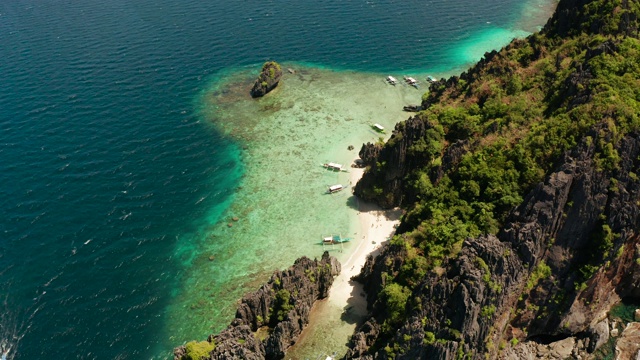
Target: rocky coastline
[
  {"x": 544, "y": 280},
  {"x": 485, "y": 298},
  {"x": 544, "y": 283},
  {"x": 270, "y": 320}
]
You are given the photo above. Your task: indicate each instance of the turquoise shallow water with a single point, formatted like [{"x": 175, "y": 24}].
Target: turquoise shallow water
[
  {"x": 121, "y": 160},
  {"x": 281, "y": 204}
]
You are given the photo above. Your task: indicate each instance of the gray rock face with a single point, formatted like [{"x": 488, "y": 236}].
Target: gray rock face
[
  {"x": 280, "y": 308},
  {"x": 558, "y": 350},
  {"x": 471, "y": 308},
  {"x": 628, "y": 346},
  {"x": 398, "y": 159},
  {"x": 236, "y": 342},
  {"x": 599, "y": 335}
]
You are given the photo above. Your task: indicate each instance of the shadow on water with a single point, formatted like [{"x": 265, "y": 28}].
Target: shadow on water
[
  {"x": 353, "y": 203},
  {"x": 355, "y": 312},
  {"x": 363, "y": 206},
  {"x": 622, "y": 313}
]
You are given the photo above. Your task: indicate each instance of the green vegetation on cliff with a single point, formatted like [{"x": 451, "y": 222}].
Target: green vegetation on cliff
[
  {"x": 486, "y": 138},
  {"x": 198, "y": 350}
]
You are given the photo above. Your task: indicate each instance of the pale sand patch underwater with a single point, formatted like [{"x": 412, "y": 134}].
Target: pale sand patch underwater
[{"x": 281, "y": 205}]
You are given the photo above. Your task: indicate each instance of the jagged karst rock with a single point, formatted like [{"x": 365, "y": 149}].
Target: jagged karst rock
[
  {"x": 267, "y": 80},
  {"x": 397, "y": 161},
  {"x": 236, "y": 342},
  {"x": 451, "y": 158},
  {"x": 363, "y": 339},
  {"x": 562, "y": 349},
  {"x": 573, "y": 17},
  {"x": 614, "y": 332},
  {"x": 369, "y": 152},
  {"x": 282, "y": 304},
  {"x": 628, "y": 346},
  {"x": 569, "y": 348},
  {"x": 179, "y": 352},
  {"x": 478, "y": 308},
  {"x": 599, "y": 335},
  {"x": 539, "y": 288}
]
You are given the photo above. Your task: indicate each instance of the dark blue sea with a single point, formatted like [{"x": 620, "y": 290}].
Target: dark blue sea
[{"x": 107, "y": 170}]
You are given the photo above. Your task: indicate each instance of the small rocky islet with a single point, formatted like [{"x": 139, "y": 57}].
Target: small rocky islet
[
  {"x": 522, "y": 202},
  {"x": 270, "y": 320},
  {"x": 267, "y": 80}
]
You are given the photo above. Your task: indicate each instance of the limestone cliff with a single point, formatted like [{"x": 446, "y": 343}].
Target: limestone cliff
[
  {"x": 269, "y": 320},
  {"x": 520, "y": 183},
  {"x": 527, "y": 282}
]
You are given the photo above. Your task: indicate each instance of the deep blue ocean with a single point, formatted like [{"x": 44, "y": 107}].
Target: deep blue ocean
[{"x": 106, "y": 168}]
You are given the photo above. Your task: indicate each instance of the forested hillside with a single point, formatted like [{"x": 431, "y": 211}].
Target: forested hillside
[{"x": 520, "y": 184}]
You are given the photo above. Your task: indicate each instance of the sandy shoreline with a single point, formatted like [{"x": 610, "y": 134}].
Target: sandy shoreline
[
  {"x": 377, "y": 226},
  {"x": 333, "y": 319}
]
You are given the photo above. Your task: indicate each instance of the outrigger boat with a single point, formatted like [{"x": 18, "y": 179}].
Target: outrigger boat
[
  {"x": 335, "y": 188},
  {"x": 334, "y": 239},
  {"x": 411, "y": 81},
  {"x": 334, "y": 167},
  {"x": 431, "y": 79},
  {"x": 391, "y": 80},
  {"x": 377, "y": 127}
]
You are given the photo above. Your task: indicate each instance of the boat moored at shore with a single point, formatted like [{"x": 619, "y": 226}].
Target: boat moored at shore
[
  {"x": 377, "y": 127},
  {"x": 334, "y": 167},
  {"x": 411, "y": 81},
  {"x": 335, "y": 188},
  {"x": 334, "y": 239}
]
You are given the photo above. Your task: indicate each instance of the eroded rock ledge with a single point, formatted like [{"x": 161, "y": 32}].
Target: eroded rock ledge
[{"x": 270, "y": 320}]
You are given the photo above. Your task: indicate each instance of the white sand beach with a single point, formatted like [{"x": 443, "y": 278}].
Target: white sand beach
[
  {"x": 377, "y": 226},
  {"x": 334, "y": 319}
]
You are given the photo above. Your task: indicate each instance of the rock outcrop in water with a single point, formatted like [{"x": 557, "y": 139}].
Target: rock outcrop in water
[
  {"x": 523, "y": 202},
  {"x": 267, "y": 80},
  {"x": 269, "y": 320}
]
